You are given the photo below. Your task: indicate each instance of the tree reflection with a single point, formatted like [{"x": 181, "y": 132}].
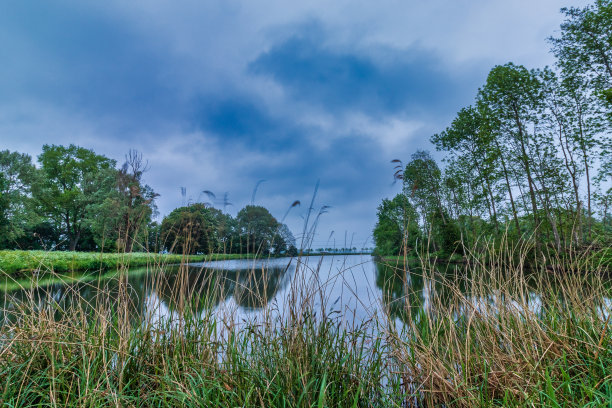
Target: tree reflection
[
  {"x": 409, "y": 290},
  {"x": 59, "y": 299},
  {"x": 194, "y": 289}
]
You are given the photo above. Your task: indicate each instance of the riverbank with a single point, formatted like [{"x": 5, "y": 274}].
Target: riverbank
[
  {"x": 599, "y": 259},
  {"x": 23, "y": 264},
  {"x": 415, "y": 260}
]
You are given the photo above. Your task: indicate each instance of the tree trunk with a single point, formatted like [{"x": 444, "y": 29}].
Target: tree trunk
[
  {"x": 525, "y": 160},
  {"x": 74, "y": 240},
  {"x": 516, "y": 221}
]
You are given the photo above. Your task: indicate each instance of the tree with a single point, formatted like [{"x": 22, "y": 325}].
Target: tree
[
  {"x": 16, "y": 216},
  {"x": 585, "y": 45},
  {"x": 512, "y": 97},
  {"x": 71, "y": 180},
  {"x": 284, "y": 241},
  {"x": 191, "y": 229},
  {"x": 470, "y": 140},
  {"x": 397, "y": 226},
  {"x": 422, "y": 178},
  {"x": 4, "y": 207},
  {"x": 445, "y": 234},
  {"x": 258, "y": 229},
  {"x": 126, "y": 210}
]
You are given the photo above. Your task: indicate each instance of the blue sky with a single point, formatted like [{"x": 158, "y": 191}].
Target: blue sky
[{"x": 220, "y": 94}]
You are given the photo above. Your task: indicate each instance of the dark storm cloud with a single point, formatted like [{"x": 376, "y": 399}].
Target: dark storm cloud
[
  {"x": 237, "y": 117},
  {"x": 376, "y": 81}
]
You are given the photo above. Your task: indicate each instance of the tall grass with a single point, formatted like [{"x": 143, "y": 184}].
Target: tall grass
[
  {"x": 492, "y": 333},
  {"x": 509, "y": 339}
]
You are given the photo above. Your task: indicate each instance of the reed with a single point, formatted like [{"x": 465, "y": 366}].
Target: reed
[
  {"x": 503, "y": 332},
  {"x": 497, "y": 333}
]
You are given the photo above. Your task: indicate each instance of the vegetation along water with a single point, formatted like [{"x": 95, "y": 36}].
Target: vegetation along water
[{"x": 489, "y": 283}]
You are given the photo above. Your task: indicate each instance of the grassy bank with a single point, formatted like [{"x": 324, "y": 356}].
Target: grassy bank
[
  {"x": 584, "y": 260},
  {"x": 23, "y": 263},
  {"x": 486, "y": 339}
]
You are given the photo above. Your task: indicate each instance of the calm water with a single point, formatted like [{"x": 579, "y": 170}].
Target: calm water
[{"x": 353, "y": 287}]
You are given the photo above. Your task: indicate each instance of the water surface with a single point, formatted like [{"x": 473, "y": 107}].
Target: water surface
[{"x": 353, "y": 287}]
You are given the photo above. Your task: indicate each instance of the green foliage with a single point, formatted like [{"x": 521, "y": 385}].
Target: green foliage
[
  {"x": 532, "y": 157},
  {"x": 422, "y": 178},
  {"x": 258, "y": 229},
  {"x": 4, "y": 207},
  {"x": 388, "y": 237},
  {"x": 585, "y": 44},
  {"x": 445, "y": 234},
  {"x": 397, "y": 226},
  {"x": 192, "y": 229},
  {"x": 201, "y": 229},
  {"x": 121, "y": 215},
  {"x": 16, "y": 214},
  {"x": 71, "y": 180}
]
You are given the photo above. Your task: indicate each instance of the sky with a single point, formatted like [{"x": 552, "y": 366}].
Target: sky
[{"x": 218, "y": 95}]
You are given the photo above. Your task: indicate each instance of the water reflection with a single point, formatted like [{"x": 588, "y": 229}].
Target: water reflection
[
  {"x": 206, "y": 286},
  {"x": 353, "y": 286},
  {"x": 249, "y": 285},
  {"x": 408, "y": 292}
]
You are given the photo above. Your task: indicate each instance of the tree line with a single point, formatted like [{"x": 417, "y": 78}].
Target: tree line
[
  {"x": 76, "y": 199},
  {"x": 530, "y": 158}
]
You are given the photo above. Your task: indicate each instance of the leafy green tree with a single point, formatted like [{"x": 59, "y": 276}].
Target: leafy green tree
[
  {"x": 191, "y": 229},
  {"x": 4, "y": 207},
  {"x": 469, "y": 138},
  {"x": 445, "y": 233},
  {"x": 422, "y": 178},
  {"x": 258, "y": 229},
  {"x": 397, "y": 226},
  {"x": 70, "y": 181},
  {"x": 125, "y": 211},
  {"x": 153, "y": 237},
  {"x": 585, "y": 45},
  {"x": 512, "y": 97},
  {"x": 17, "y": 217},
  {"x": 228, "y": 234}
]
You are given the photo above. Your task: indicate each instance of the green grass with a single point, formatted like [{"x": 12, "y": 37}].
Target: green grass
[
  {"x": 19, "y": 263},
  {"x": 602, "y": 257},
  {"x": 413, "y": 259}
]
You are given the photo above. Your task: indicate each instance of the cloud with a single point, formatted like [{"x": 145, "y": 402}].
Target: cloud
[
  {"x": 89, "y": 62},
  {"x": 374, "y": 81},
  {"x": 218, "y": 94}
]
